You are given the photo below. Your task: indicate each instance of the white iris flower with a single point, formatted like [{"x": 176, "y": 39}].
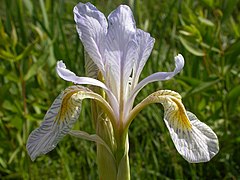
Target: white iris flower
[{"x": 117, "y": 52}]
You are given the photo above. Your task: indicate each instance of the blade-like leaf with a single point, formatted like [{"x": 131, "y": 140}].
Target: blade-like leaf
[{"x": 191, "y": 47}]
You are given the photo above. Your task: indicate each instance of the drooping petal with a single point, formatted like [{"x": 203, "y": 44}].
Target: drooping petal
[
  {"x": 193, "y": 139},
  {"x": 121, "y": 49},
  {"x": 60, "y": 118},
  {"x": 58, "y": 121},
  {"x": 145, "y": 46},
  {"x": 159, "y": 76},
  {"x": 198, "y": 144},
  {"x": 92, "y": 28},
  {"x": 68, "y": 75}
]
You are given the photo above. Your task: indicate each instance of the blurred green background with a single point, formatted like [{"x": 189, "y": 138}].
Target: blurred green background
[{"x": 35, "y": 34}]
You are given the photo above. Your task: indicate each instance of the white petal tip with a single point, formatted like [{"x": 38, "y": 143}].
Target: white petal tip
[
  {"x": 64, "y": 73},
  {"x": 196, "y": 145},
  {"x": 60, "y": 64},
  {"x": 179, "y": 61}
]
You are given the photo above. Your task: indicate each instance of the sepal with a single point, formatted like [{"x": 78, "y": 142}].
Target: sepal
[
  {"x": 57, "y": 122},
  {"x": 193, "y": 139},
  {"x": 60, "y": 118}
]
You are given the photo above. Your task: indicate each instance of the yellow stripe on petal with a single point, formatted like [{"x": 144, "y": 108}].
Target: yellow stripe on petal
[
  {"x": 180, "y": 115},
  {"x": 61, "y": 117},
  {"x": 58, "y": 121},
  {"x": 67, "y": 105},
  {"x": 173, "y": 107}
]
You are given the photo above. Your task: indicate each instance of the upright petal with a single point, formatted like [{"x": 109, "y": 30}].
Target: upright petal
[
  {"x": 145, "y": 46},
  {"x": 159, "y": 76},
  {"x": 194, "y": 140},
  {"x": 68, "y": 75},
  {"x": 121, "y": 49},
  {"x": 92, "y": 29}
]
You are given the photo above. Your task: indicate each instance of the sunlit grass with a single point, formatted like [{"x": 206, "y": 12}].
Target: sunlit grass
[{"x": 35, "y": 34}]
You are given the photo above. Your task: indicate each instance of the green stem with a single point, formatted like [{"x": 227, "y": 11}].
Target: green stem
[
  {"x": 109, "y": 167},
  {"x": 123, "y": 159},
  {"x": 106, "y": 164}
]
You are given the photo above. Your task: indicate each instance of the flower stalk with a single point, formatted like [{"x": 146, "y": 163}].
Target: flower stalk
[{"x": 114, "y": 164}]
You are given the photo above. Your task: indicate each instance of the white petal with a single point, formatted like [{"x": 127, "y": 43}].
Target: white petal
[
  {"x": 159, "y": 76},
  {"x": 197, "y": 144},
  {"x": 60, "y": 118},
  {"x": 68, "y": 75},
  {"x": 92, "y": 29},
  {"x": 58, "y": 121},
  {"x": 145, "y": 46},
  {"x": 162, "y": 76},
  {"x": 121, "y": 48},
  {"x": 194, "y": 140}
]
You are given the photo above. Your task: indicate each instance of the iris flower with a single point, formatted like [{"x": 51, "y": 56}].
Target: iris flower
[{"x": 116, "y": 52}]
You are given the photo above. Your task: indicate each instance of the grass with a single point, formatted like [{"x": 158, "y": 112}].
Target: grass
[{"x": 35, "y": 34}]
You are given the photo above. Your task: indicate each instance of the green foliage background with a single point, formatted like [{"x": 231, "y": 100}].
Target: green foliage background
[{"x": 35, "y": 34}]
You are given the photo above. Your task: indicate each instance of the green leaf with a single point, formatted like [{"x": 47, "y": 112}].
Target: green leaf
[
  {"x": 234, "y": 93},
  {"x": 185, "y": 33},
  {"x": 11, "y": 76},
  {"x": 35, "y": 67},
  {"x": 2, "y": 163},
  {"x": 209, "y": 2},
  {"x": 14, "y": 36},
  {"x": 5, "y": 39},
  {"x": 205, "y": 21},
  {"x": 214, "y": 49},
  {"x": 2, "y": 68},
  {"x": 26, "y": 51},
  {"x": 228, "y": 8},
  {"x": 191, "y": 47},
  {"x": 17, "y": 122},
  {"x": 202, "y": 86},
  {"x": 190, "y": 80},
  {"x": 13, "y": 155},
  {"x": 193, "y": 31},
  {"x": 9, "y": 106},
  {"x": 234, "y": 48},
  {"x": 6, "y": 55},
  {"x": 29, "y": 6}
]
